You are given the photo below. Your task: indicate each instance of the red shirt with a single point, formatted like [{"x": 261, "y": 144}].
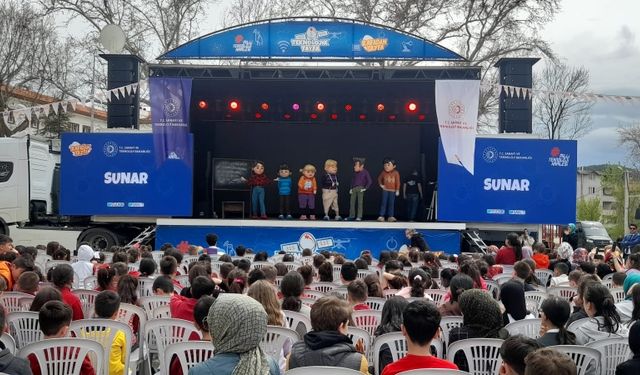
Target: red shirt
[
  {"x": 73, "y": 301},
  {"x": 542, "y": 260},
  {"x": 414, "y": 362},
  {"x": 135, "y": 274},
  {"x": 361, "y": 306},
  {"x": 506, "y": 255},
  {"x": 182, "y": 307},
  {"x": 86, "y": 369}
]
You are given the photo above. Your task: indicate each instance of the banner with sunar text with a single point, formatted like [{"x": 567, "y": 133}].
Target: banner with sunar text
[
  {"x": 170, "y": 101},
  {"x": 457, "y": 110}
]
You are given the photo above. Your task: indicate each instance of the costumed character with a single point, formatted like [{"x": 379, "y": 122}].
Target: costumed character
[
  {"x": 284, "y": 191},
  {"x": 360, "y": 182},
  {"x": 412, "y": 194},
  {"x": 389, "y": 181},
  {"x": 330, "y": 189},
  {"x": 257, "y": 181},
  {"x": 307, "y": 189}
]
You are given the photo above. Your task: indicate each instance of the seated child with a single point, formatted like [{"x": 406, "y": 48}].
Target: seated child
[
  {"x": 549, "y": 361},
  {"x": 10, "y": 364},
  {"x": 631, "y": 366},
  {"x": 55, "y": 317},
  {"x": 357, "y": 295},
  {"x": 162, "y": 286},
  {"x": 107, "y": 305},
  {"x": 513, "y": 352},
  {"x": 28, "y": 283}
]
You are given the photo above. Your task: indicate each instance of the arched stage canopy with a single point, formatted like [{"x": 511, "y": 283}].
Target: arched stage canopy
[{"x": 311, "y": 38}]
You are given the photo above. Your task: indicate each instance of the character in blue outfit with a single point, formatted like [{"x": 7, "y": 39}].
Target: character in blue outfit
[{"x": 284, "y": 190}]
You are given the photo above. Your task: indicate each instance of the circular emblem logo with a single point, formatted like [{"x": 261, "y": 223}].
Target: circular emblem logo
[
  {"x": 555, "y": 152},
  {"x": 110, "y": 149},
  {"x": 490, "y": 154},
  {"x": 456, "y": 109},
  {"x": 171, "y": 107},
  {"x": 307, "y": 241},
  {"x": 239, "y": 38}
]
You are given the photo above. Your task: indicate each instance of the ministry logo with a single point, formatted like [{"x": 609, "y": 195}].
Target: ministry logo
[
  {"x": 456, "y": 109},
  {"x": 171, "y": 107},
  {"x": 110, "y": 149},
  {"x": 490, "y": 154}
]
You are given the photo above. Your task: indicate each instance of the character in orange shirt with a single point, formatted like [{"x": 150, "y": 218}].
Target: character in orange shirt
[
  {"x": 307, "y": 189},
  {"x": 389, "y": 181}
]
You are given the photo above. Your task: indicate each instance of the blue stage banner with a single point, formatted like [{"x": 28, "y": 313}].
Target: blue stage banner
[
  {"x": 349, "y": 241},
  {"x": 327, "y": 38},
  {"x": 116, "y": 174},
  {"x": 516, "y": 181}
]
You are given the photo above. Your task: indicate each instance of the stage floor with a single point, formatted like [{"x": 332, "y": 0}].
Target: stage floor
[{"x": 348, "y": 237}]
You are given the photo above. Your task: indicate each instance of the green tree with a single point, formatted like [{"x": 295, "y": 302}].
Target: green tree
[
  {"x": 589, "y": 209},
  {"x": 54, "y": 125},
  {"x": 613, "y": 180}
]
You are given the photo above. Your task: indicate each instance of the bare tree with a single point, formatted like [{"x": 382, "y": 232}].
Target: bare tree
[
  {"x": 630, "y": 137},
  {"x": 560, "y": 116}
]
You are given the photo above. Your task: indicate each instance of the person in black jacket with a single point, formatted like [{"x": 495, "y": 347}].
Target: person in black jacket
[
  {"x": 10, "y": 364},
  {"x": 632, "y": 366},
  {"x": 416, "y": 240}
]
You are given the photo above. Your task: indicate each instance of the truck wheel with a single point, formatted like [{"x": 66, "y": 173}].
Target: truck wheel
[
  {"x": 4, "y": 228},
  {"x": 100, "y": 239}
]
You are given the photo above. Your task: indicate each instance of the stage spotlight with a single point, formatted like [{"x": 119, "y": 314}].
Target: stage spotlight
[
  {"x": 412, "y": 106},
  {"x": 264, "y": 106},
  {"x": 380, "y": 107},
  {"x": 362, "y": 117},
  {"x": 348, "y": 107},
  {"x": 392, "y": 117},
  {"x": 258, "y": 115},
  {"x": 334, "y": 116},
  {"x": 320, "y": 106},
  {"x": 287, "y": 116},
  {"x": 313, "y": 116},
  {"x": 234, "y": 105},
  {"x": 203, "y": 104},
  {"x": 422, "y": 117},
  {"x": 295, "y": 106}
]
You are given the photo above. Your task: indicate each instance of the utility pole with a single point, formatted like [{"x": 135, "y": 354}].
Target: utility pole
[{"x": 626, "y": 199}]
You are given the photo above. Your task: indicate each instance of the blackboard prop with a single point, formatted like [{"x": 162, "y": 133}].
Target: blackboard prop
[{"x": 228, "y": 173}]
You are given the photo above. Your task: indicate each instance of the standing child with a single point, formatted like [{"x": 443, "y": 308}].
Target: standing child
[
  {"x": 307, "y": 189},
  {"x": 258, "y": 181},
  {"x": 330, "y": 189},
  {"x": 284, "y": 191},
  {"x": 360, "y": 182},
  {"x": 389, "y": 181}
]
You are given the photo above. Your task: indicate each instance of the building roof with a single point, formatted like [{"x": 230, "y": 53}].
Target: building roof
[{"x": 34, "y": 97}]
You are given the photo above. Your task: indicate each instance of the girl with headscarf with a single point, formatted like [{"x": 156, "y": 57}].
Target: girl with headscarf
[
  {"x": 512, "y": 297},
  {"x": 237, "y": 324},
  {"x": 390, "y": 322},
  {"x": 569, "y": 235},
  {"x": 625, "y": 308},
  {"x": 580, "y": 255}
]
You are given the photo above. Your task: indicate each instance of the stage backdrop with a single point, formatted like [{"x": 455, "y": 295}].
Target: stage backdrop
[
  {"x": 349, "y": 241},
  {"x": 116, "y": 174},
  {"x": 516, "y": 181}
]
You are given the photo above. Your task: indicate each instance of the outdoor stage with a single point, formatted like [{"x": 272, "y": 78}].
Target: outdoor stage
[{"x": 349, "y": 238}]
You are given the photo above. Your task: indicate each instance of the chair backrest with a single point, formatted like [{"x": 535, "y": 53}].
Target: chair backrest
[
  {"x": 356, "y": 334},
  {"x": 53, "y": 263},
  {"x": 8, "y": 342},
  {"x": 323, "y": 287},
  {"x": 506, "y": 268},
  {"x": 312, "y": 294},
  {"x": 544, "y": 275},
  {"x": 127, "y": 315},
  {"x": 573, "y": 327},
  {"x": 526, "y": 327},
  {"x": 447, "y": 323},
  {"x": 613, "y": 351},
  {"x": 584, "y": 357},
  {"x": 90, "y": 282},
  {"x": 25, "y": 302},
  {"x": 564, "y": 292},
  {"x": 336, "y": 273},
  {"x": 437, "y": 295},
  {"x": 258, "y": 265},
  {"x": 502, "y": 278},
  {"x": 274, "y": 340},
  {"x": 11, "y": 301},
  {"x": 608, "y": 283},
  {"x": 161, "y": 312},
  {"x": 618, "y": 294},
  {"x": 397, "y": 345},
  {"x": 87, "y": 300},
  {"x": 364, "y": 273},
  {"x": 24, "y": 327},
  {"x": 433, "y": 371},
  {"x": 103, "y": 331},
  {"x": 388, "y": 293},
  {"x": 145, "y": 286},
  {"x": 368, "y": 320},
  {"x": 340, "y": 293},
  {"x": 65, "y": 356},
  {"x": 183, "y": 280},
  {"x": 536, "y": 296},
  {"x": 322, "y": 370},
  {"x": 153, "y": 302},
  {"x": 167, "y": 332},
  {"x": 298, "y": 322},
  {"x": 493, "y": 288},
  {"x": 375, "y": 303},
  {"x": 483, "y": 355},
  {"x": 189, "y": 354}
]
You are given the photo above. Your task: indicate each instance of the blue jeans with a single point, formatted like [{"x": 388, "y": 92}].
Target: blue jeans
[
  {"x": 257, "y": 198},
  {"x": 388, "y": 203},
  {"x": 412, "y": 205}
]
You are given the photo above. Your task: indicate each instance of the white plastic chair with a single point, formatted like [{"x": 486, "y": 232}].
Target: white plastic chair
[
  {"x": 189, "y": 354},
  {"x": 298, "y": 322},
  {"x": 161, "y": 312},
  {"x": 564, "y": 292},
  {"x": 24, "y": 327},
  {"x": 388, "y": 293},
  {"x": 397, "y": 345},
  {"x": 608, "y": 283},
  {"x": 502, "y": 278},
  {"x": 65, "y": 356},
  {"x": 259, "y": 265},
  {"x": 153, "y": 302},
  {"x": 613, "y": 351},
  {"x": 308, "y": 301},
  {"x": 447, "y": 323},
  {"x": 11, "y": 301},
  {"x": 437, "y": 295},
  {"x": 25, "y": 303},
  {"x": 526, "y": 327},
  {"x": 87, "y": 300},
  {"x": 368, "y": 320},
  {"x": 90, "y": 282},
  {"x": 323, "y": 287},
  {"x": 618, "y": 294},
  {"x": 322, "y": 370},
  {"x": 375, "y": 303},
  {"x": 103, "y": 331},
  {"x": 312, "y": 294},
  {"x": 433, "y": 371},
  {"x": 145, "y": 286},
  {"x": 483, "y": 355},
  {"x": 493, "y": 288},
  {"x": 8, "y": 342},
  {"x": 126, "y": 315},
  {"x": 340, "y": 293},
  {"x": 337, "y": 268},
  {"x": 356, "y": 334},
  {"x": 536, "y": 296},
  {"x": 167, "y": 332},
  {"x": 274, "y": 340},
  {"x": 584, "y": 357},
  {"x": 543, "y": 275},
  {"x": 183, "y": 280},
  {"x": 364, "y": 273}
]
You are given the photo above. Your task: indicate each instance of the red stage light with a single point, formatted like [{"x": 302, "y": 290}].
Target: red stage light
[
  {"x": 412, "y": 107},
  {"x": 362, "y": 117},
  {"x": 202, "y": 104},
  {"x": 380, "y": 107},
  {"x": 234, "y": 105},
  {"x": 392, "y": 117},
  {"x": 258, "y": 115},
  {"x": 422, "y": 117},
  {"x": 264, "y": 106},
  {"x": 320, "y": 106},
  {"x": 334, "y": 116},
  {"x": 348, "y": 107},
  {"x": 313, "y": 116},
  {"x": 287, "y": 116},
  {"x": 295, "y": 106}
]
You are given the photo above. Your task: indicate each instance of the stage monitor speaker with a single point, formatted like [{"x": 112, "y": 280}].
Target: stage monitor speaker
[
  {"x": 515, "y": 113},
  {"x": 122, "y": 70}
]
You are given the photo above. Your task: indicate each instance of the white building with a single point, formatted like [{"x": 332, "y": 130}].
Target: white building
[{"x": 589, "y": 186}]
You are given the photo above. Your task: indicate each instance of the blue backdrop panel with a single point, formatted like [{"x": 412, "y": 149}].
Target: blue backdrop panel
[
  {"x": 316, "y": 39},
  {"x": 350, "y": 241},
  {"x": 116, "y": 174},
  {"x": 516, "y": 181}
]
